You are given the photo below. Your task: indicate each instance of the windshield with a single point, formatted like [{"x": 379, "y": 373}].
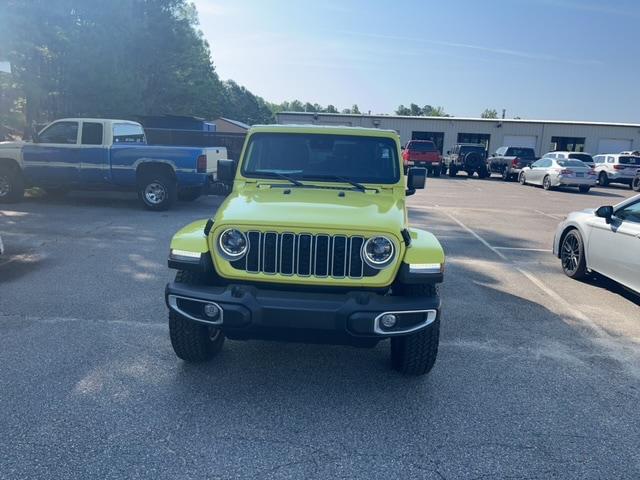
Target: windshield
[
  {"x": 583, "y": 157},
  {"x": 629, "y": 160},
  {"x": 315, "y": 156},
  {"x": 520, "y": 152},
  {"x": 571, "y": 163},
  {"x": 422, "y": 147}
]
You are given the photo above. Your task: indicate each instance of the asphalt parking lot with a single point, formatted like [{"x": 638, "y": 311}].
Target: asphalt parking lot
[{"x": 538, "y": 375}]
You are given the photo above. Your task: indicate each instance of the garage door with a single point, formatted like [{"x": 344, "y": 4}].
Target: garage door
[
  {"x": 614, "y": 145},
  {"x": 530, "y": 141}
]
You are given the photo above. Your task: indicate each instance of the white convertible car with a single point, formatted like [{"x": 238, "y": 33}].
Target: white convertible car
[{"x": 606, "y": 240}]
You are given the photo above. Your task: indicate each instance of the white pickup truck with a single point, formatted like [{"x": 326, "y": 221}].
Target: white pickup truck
[{"x": 105, "y": 154}]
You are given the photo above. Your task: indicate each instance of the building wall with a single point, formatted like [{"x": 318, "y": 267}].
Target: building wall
[{"x": 498, "y": 129}]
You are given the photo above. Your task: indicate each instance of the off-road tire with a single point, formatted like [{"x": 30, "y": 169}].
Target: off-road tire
[
  {"x": 603, "y": 179},
  {"x": 11, "y": 178},
  {"x": 635, "y": 185},
  {"x": 166, "y": 183},
  {"x": 584, "y": 188},
  {"x": 193, "y": 342},
  {"x": 546, "y": 182},
  {"x": 415, "y": 353},
  {"x": 572, "y": 257}
]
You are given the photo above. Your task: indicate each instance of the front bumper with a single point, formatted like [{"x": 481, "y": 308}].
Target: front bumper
[{"x": 350, "y": 318}]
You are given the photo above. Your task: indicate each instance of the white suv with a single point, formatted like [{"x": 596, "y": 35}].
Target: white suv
[
  {"x": 616, "y": 168},
  {"x": 583, "y": 157}
]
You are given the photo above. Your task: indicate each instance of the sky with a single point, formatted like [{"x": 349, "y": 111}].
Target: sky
[{"x": 538, "y": 59}]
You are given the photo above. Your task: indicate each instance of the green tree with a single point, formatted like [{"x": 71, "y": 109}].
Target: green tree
[
  {"x": 489, "y": 113},
  {"x": 331, "y": 109},
  {"x": 355, "y": 110}
]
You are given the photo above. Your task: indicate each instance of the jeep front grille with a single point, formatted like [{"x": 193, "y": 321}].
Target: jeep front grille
[{"x": 305, "y": 255}]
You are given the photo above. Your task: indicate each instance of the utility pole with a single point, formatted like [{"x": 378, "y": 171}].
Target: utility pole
[{"x": 504, "y": 113}]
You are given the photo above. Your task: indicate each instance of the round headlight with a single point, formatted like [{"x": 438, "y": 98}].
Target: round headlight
[
  {"x": 378, "y": 252},
  {"x": 233, "y": 244}
]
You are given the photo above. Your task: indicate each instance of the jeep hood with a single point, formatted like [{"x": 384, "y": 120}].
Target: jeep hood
[{"x": 315, "y": 209}]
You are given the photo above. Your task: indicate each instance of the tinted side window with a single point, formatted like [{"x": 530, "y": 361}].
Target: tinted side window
[
  {"x": 61, "y": 132},
  {"x": 91, "y": 133},
  {"x": 630, "y": 213}
]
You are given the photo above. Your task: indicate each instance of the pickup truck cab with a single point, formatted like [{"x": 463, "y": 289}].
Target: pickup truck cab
[
  {"x": 98, "y": 154},
  {"x": 509, "y": 161},
  {"x": 422, "y": 153},
  {"x": 312, "y": 245}
]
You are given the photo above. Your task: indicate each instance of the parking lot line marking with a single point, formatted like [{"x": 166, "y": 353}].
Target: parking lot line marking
[
  {"x": 546, "y": 250},
  {"x": 572, "y": 310},
  {"x": 555, "y": 216}
]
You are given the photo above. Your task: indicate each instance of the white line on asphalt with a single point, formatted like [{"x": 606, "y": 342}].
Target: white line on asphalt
[
  {"x": 546, "y": 250},
  {"x": 536, "y": 281},
  {"x": 555, "y": 216}
]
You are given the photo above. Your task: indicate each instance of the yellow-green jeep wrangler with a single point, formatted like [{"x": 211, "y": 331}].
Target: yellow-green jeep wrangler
[{"x": 311, "y": 245}]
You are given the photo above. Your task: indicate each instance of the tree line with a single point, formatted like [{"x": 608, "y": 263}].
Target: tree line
[{"x": 122, "y": 58}]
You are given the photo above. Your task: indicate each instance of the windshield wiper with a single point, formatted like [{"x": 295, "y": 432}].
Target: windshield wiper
[
  {"x": 297, "y": 183},
  {"x": 338, "y": 178}
]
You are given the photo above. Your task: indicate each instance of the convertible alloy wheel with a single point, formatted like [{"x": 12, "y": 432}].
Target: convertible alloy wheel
[
  {"x": 546, "y": 183},
  {"x": 572, "y": 255}
]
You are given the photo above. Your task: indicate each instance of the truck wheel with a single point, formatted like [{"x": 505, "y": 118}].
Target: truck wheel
[
  {"x": 506, "y": 176},
  {"x": 603, "y": 180},
  {"x": 11, "y": 184},
  {"x": 157, "y": 190},
  {"x": 415, "y": 354},
  {"x": 584, "y": 188},
  {"x": 453, "y": 171},
  {"x": 191, "y": 341},
  {"x": 546, "y": 183},
  {"x": 572, "y": 256},
  {"x": 636, "y": 184},
  {"x": 189, "y": 194}
]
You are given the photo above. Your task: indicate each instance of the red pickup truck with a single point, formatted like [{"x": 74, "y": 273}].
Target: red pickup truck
[{"x": 422, "y": 153}]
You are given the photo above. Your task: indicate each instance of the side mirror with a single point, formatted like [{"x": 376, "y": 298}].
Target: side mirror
[
  {"x": 226, "y": 171},
  {"x": 416, "y": 179},
  {"x": 605, "y": 212}
]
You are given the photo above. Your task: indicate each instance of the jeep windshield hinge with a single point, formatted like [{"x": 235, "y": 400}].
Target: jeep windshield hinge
[
  {"x": 406, "y": 236},
  {"x": 208, "y": 227}
]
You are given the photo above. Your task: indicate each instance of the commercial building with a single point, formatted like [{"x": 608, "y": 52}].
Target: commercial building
[{"x": 542, "y": 135}]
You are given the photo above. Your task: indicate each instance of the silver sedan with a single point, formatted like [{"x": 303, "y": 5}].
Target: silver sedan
[
  {"x": 606, "y": 240},
  {"x": 551, "y": 172}
]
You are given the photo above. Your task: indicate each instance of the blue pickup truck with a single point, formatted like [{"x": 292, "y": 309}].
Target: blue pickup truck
[{"x": 98, "y": 154}]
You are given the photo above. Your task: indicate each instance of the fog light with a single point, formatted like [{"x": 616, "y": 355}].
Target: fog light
[
  {"x": 211, "y": 310},
  {"x": 388, "y": 320}
]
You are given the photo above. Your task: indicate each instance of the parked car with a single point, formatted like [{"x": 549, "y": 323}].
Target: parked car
[
  {"x": 509, "y": 161},
  {"x": 616, "y": 168},
  {"x": 606, "y": 240},
  {"x": 99, "y": 154},
  {"x": 552, "y": 172},
  {"x": 583, "y": 157},
  {"x": 316, "y": 251},
  {"x": 422, "y": 153},
  {"x": 467, "y": 157}
]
